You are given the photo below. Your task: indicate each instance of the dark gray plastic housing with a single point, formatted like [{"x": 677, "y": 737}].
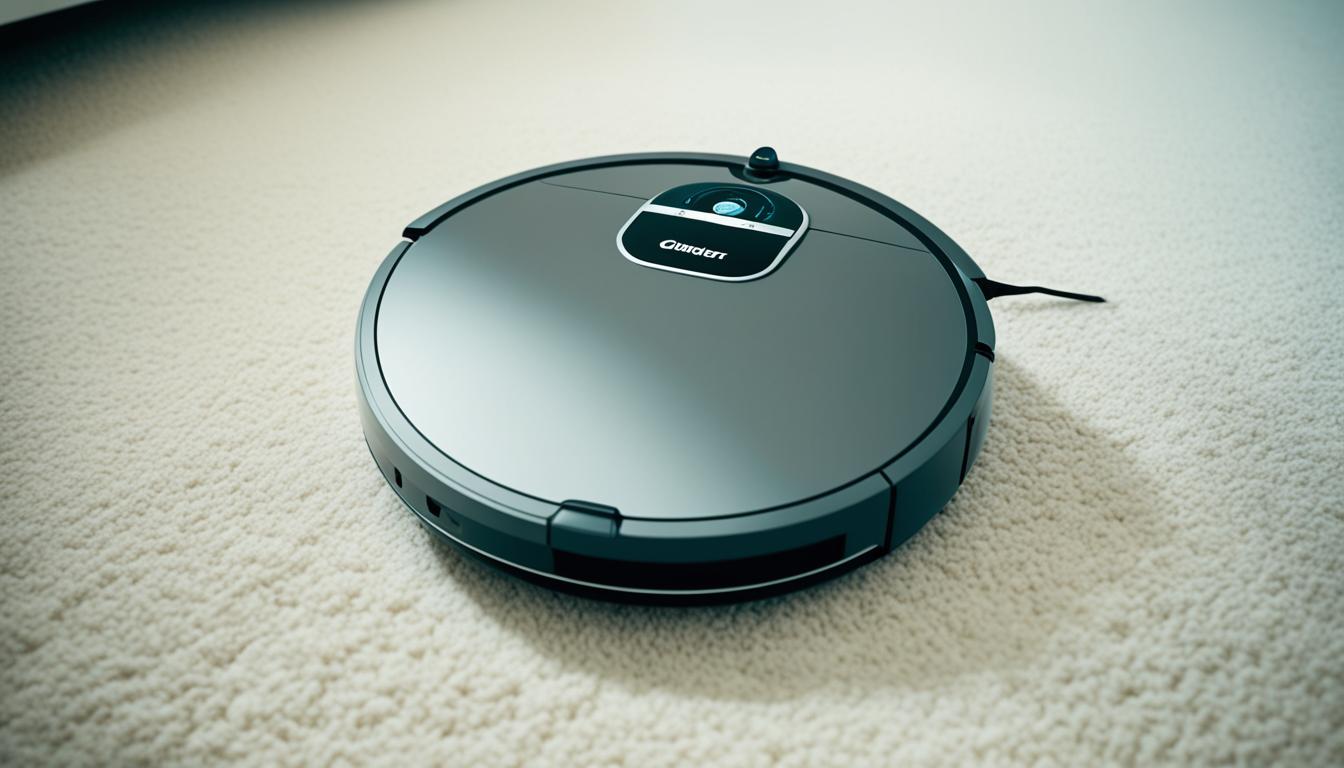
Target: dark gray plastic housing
[{"x": 609, "y": 427}]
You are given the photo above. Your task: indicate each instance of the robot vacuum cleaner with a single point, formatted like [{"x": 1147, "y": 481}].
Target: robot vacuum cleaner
[{"x": 676, "y": 377}]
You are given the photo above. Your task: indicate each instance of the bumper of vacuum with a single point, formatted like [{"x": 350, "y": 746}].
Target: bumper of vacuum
[{"x": 584, "y": 549}]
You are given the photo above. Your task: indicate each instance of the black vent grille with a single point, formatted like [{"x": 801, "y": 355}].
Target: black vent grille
[{"x": 713, "y": 574}]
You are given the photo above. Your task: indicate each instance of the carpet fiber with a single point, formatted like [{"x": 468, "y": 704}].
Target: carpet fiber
[{"x": 200, "y": 563}]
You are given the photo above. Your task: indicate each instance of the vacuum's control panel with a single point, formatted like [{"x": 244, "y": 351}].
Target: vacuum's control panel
[{"x": 720, "y": 231}]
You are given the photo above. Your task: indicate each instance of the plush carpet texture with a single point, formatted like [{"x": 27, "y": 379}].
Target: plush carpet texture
[{"x": 199, "y": 562}]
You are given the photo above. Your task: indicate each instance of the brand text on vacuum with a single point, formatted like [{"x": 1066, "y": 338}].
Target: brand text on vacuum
[{"x": 694, "y": 250}]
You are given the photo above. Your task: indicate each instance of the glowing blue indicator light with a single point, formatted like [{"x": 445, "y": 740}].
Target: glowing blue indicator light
[{"x": 729, "y": 207}]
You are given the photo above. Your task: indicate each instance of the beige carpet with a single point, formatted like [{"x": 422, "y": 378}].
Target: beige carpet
[{"x": 199, "y": 562}]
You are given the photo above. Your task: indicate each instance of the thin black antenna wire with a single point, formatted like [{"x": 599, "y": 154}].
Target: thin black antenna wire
[{"x": 993, "y": 289}]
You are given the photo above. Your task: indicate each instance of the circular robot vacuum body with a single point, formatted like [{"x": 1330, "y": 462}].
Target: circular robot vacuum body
[{"x": 675, "y": 377}]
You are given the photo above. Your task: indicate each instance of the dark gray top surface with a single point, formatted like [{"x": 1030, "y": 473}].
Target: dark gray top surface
[{"x": 519, "y": 341}]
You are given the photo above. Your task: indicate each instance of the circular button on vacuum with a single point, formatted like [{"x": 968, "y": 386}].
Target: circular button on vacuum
[
  {"x": 729, "y": 207},
  {"x": 640, "y": 378}
]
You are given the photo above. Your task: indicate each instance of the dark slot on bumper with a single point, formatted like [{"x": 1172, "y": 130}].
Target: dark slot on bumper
[{"x": 713, "y": 574}]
